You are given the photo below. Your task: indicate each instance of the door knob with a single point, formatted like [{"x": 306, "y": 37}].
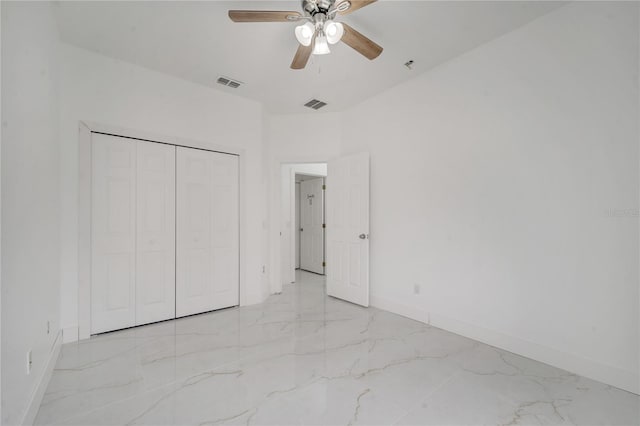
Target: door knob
[{"x": 363, "y": 236}]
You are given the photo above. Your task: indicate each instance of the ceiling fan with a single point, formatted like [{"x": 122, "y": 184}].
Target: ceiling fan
[{"x": 320, "y": 28}]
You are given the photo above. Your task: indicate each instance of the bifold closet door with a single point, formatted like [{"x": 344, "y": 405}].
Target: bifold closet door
[
  {"x": 155, "y": 232},
  {"x": 113, "y": 233},
  {"x": 207, "y": 258},
  {"x": 133, "y": 233}
]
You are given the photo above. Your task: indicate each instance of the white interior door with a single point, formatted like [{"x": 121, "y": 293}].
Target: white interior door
[
  {"x": 311, "y": 225},
  {"x": 155, "y": 232},
  {"x": 207, "y": 275},
  {"x": 347, "y": 198},
  {"x": 113, "y": 224}
]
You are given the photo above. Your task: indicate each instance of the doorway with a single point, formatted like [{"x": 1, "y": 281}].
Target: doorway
[
  {"x": 345, "y": 225},
  {"x": 289, "y": 259},
  {"x": 310, "y": 224}
]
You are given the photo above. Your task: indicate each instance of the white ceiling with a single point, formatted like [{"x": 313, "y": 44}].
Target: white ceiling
[{"x": 196, "y": 41}]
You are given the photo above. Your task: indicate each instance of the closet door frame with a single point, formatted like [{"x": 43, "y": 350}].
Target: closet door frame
[{"x": 85, "y": 131}]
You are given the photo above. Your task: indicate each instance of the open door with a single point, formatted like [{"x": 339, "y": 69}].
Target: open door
[{"x": 347, "y": 203}]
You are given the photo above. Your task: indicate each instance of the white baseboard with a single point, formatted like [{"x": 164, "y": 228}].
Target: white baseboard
[
  {"x": 70, "y": 334},
  {"x": 38, "y": 394},
  {"x": 400, "y": 309},
  {"x": 614, "y": 376}
]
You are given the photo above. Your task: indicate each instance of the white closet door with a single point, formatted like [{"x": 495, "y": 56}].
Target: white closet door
[
  {"x": 113, "y": 233},
  {"x": 312, "y": 232},
  {"x": 207, "y": 275},
  {"x": 155, "y": 232}
]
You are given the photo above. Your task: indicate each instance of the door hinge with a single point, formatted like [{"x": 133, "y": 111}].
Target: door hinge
[
  {"x": 324, "y": 225},
  {"x": 324, "y": 264},
  {"x": 324, "y": 187}
]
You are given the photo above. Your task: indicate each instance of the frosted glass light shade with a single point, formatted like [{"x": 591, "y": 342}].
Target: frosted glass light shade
[
  {"x": 321, "y": 47},
  {"x": 334, "y": 31},
  {"x": 304, "y": 33}
]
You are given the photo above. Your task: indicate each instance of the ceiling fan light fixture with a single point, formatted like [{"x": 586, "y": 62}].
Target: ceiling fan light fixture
[
  {"x": 334, "y": 31},
  {"x": 321, "y": 47},
  {"x": 304, "y": 33},
  {"x": 319, "y": 29}
]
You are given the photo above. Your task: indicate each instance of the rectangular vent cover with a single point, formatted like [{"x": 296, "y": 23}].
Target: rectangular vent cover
[
  {"x": 315, "y": 104},
  {"x": 225, "y": 81}
]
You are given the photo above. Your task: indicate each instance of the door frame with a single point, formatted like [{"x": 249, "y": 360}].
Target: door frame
[
  {"x": 298, "y": 236},
  {"x": 284, "y": 274},
  {"x": 85, "y": 130}
]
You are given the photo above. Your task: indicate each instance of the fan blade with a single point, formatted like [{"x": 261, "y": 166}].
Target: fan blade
[
  {"x": 302, "y": 57},
  {"x": 355, "y": 5},
  {"x": 263, "y": 16},
  {"x": 362, "y": 44}
]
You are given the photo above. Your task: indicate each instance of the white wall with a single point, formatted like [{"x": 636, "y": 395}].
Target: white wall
[
  {"x": 505, "y": 184},
  {"x": 30, "y": 201},
  {"x": 99, "y": 89}
]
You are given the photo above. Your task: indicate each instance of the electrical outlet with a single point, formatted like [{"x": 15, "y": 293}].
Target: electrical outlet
[
  {"x": 29, "y": 362},
  {"x": 416, "y": 289}
]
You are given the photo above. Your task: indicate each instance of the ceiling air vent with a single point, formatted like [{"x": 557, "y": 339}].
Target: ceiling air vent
[
  {"x": 315, "y": 104},
  {"x": 225, "y": 81}
]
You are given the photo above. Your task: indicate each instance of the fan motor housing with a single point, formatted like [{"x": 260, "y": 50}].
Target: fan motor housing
[{"x": 312, "y": 7}]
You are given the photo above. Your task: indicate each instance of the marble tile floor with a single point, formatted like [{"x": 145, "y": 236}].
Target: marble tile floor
[{"x": 302, "y": 358}]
